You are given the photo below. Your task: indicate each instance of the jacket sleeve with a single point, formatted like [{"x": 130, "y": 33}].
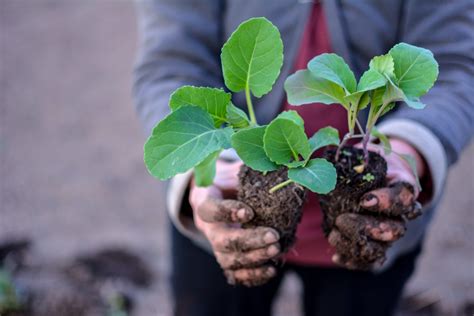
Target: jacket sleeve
[
  {"x": 180, "y": 43},
  {"x": 445, "y": 28}
]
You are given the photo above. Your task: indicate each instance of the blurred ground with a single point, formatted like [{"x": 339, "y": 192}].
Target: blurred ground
[{"x": 71, "y": 170}]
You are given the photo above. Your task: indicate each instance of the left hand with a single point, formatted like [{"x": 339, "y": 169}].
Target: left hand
[{"x": 361, "y": 240}]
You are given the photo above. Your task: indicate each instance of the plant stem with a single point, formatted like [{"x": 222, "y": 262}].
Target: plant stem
[
  {"x": 346, "y": 138},
  {"x": 248, "y": 97},
  {"x": 360, "y": 127},
  {"x": 342, "y": 144},
  {"x": 365, "y": 141},
  {"x": 280, "y": 185},
  {"x": 373, "y": 117}
]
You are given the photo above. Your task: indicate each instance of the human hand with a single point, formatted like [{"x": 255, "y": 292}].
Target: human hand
[
  {"x": 243, "y": 254},
  {"x": 362, "y": 239}
]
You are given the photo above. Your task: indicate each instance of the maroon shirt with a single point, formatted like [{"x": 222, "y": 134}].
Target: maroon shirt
[{"x": 311, "y": 247}]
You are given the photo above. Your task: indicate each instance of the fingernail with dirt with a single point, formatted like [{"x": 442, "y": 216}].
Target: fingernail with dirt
[
  {"x": 270, "y": 271},
  {"x": 242, "y": 213},
  {"x": 272, "y": 250},
  {"x": 270, "y": 237},
  {"x": 369, "y": 200}
]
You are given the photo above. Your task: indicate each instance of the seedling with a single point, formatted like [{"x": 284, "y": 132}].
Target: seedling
[
  {"x": 204, "y": 121},
  {"x": 404, "y": 74}
]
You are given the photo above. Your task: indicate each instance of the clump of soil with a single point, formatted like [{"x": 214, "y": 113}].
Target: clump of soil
[
  {"x": 351, "y": 185},
  {"x": 281, "y": 210}
]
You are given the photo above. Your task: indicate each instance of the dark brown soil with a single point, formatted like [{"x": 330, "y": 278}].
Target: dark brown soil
[
  {"x": 351, "y": 185},
  {"x": 280, "y": 210}
]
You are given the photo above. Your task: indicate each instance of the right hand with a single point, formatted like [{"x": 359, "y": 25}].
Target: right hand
[{"x": 243, "y": 254}]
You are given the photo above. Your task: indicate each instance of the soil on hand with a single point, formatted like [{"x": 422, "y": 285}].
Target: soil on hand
[{"x": 280, "y": 210}]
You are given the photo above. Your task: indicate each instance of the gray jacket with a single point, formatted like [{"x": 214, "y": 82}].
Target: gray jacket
[{"x": 181, "y": 41}]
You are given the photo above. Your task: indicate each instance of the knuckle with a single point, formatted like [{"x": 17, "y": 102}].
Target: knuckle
[{"x": 255, "y": 276}]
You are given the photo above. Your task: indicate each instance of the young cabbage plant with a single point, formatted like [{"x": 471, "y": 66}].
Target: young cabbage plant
[
  {"x": 404, "y": 74},
  {"x": 203, "y": 121}
]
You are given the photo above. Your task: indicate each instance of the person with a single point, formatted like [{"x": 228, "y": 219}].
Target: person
[{"x": 180, "y": 45}]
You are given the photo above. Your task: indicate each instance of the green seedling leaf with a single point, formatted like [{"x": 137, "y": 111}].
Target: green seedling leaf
[
  {"x": 364, "y": 101},
  {"x": 182, "y": 140},
  {"x": 359, "y": 99},
  {"x": 324, "y": 137},
  {"x": 303, "y": 88},
  {"x": 377, "y": 97},
  {"x": 292, "y": 116},
  {"x": 393, "y": 94},
  {"x": 213, "y": 101},
  {"x": 318, "y": 175},
  {"x": 248, "y": 143},
  {"x": 412, "y": 163},
  {"x": 370, "y": 80},
  {"x": 333, "y": 68},
  {"x": 205, "y": 172},
  {"x": 284, "y": 141},
  {"x": 252, "y": 57},
  {"x": 236, "y": 117},
  {"x": 415, "y": 69},
  {"x": 387, "y": 147},
  {"x": 368, "y": 177},
  {"x": 383, "y": 64}
]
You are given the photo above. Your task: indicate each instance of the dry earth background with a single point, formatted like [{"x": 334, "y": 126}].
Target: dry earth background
[{"x": 71, "y": 166}]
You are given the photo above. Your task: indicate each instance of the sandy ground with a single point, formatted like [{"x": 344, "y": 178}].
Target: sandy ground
[{"x": 71, "y": 170}]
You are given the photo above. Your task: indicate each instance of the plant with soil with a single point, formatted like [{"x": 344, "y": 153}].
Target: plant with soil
[
  {"x": 404, "y": 74},
  {"x": 277, "y": 160}
]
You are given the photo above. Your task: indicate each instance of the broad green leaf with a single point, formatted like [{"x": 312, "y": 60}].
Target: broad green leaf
[
  {"x": 182, "y": 140},
  {"x": 205, "y": 172},
  {"x": 377, "y": 96},
  {"x": 303, "y": 88},
  {"x": 284, "y": 141},
  {"x": 252, "y": 57},
  {"x": 293, "y": 116},
  {"x": 213, "y": 101},
  {"x": 416, "y": 69},
  {"x": 236, "y": 117},
  {"x": 387, "y": 148},
  {"x": 370, "y": 80},
  {"x": 248, "y": 143},
  {"x": 333, "y": 68},
  {"x": 359, "y": 99},
  {"x": 383, "y": 64},
  {"x": 415, "y": 103},
  {"x": 324, "y": 137},
  {"x": 412, "y": 163},
  {"x": 318, "y": 175},
  {"x": 364, "y": 101},
  {"x": 394, "y": 94}
]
